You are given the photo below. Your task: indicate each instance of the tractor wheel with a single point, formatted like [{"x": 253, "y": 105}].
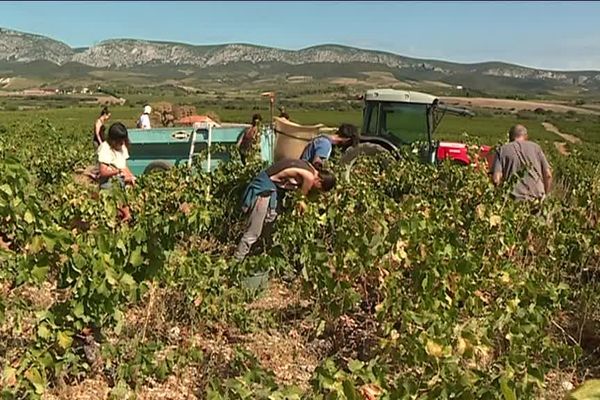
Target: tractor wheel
[
  {"x": 157, "y": 166},
  {"x": 352, "y": 154}
]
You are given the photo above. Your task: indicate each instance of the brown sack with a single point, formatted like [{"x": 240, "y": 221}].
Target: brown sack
[{"x": 292, "y": 138}]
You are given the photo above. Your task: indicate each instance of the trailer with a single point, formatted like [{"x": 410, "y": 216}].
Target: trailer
[{"x": 160, "y": 149}]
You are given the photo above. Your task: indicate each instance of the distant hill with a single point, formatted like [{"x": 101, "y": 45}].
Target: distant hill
[
  {"x": 26, "y": 47},
  {"x": 35, "y": 56}
]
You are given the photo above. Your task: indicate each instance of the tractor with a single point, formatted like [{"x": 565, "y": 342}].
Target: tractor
[{"x": 395, "y": 118}]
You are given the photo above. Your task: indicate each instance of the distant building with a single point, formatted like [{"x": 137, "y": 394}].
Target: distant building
[
  {"x": 459, "y": 87},
  {"x": 33, "y": 92}
]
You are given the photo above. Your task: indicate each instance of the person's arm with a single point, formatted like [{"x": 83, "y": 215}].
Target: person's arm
[
  {"x": 128, "y": 177},
  {"x": 246, "y": 136},
  {"x": 308, "y": 179},
  {"x": 497, "y": 177},
  {"x": 546, "y": 172},
  {"x": 298, "y": 174},
  {"x": 97, "y": 131},
  {"x": 547, "y": 181},
  {"x": 322, "y": 151},
  {"x": 497, "y": 169},
  {"x": 107, "y": 171},
  {"x": 317, "y": 162}
]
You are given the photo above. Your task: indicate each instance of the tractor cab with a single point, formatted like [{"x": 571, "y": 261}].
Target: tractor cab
[
  {"x": 400, "y": 117},
  {"x": 394, "y": 118},
  {"x": 398, "y": 114}
]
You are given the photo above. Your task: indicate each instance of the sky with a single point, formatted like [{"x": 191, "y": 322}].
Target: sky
[{"x": 551, "y": 35}]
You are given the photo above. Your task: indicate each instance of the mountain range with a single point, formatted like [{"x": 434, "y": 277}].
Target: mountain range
[{"x": 51, "y": 61}]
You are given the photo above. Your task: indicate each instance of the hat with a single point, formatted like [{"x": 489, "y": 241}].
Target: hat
[{"x": 147, "y": 109}]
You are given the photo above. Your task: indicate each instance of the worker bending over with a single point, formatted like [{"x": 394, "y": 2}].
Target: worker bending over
[
  {"x": 262, "y": 195},
  {"x": 319, "y": 149}
]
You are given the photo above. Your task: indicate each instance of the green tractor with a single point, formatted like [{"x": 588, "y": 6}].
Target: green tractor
[{"x": 395, "y": 118}]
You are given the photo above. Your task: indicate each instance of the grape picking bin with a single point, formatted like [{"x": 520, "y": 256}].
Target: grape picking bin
[{"x": 161, "y": 148}]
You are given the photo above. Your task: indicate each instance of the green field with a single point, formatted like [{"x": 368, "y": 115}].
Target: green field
[
  {"x": 489, "y": 128},
  {"x": 410, "y": 282}
]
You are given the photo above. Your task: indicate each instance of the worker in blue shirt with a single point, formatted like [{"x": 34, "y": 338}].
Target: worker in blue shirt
[{"x": 319, "y": 149}]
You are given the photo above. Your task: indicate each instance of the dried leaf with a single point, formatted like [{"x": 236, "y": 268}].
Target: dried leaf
[
  {"x": 495, "y": 220},
  {"x": 371, "y": 391},
  {"x": 482, "y": 296},
  {"x": 434, "y": 349}
]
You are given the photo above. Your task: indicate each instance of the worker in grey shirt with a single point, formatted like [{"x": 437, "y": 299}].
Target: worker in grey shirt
[{"x": 521, "y": 154}]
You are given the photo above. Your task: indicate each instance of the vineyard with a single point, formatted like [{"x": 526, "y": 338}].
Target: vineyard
[{"x": 413, "y": 281}]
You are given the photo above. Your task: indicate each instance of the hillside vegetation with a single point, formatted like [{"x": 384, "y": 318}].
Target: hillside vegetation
[{"x": 36, "y": 57}]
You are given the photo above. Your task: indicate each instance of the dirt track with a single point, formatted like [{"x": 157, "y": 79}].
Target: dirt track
[
  {"x": 569, "y": 138},
  {"x": 517, "y": 105},
  {"x": 561, "y": 146}
]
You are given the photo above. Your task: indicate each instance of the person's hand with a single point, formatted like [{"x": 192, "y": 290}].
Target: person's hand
[
  {"x": 128, "y": 177},
  {"x": 132, "y": 178},
  {"x": 318, "y": 163},
  {"x": 124, "y": 214},
  {"x": 301, "y": 207}
]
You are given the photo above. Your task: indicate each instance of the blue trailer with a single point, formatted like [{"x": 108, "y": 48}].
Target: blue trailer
[{"x": 162, "y": 148}]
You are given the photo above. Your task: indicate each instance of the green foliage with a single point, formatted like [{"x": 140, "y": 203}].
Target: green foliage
[
  {"x": 430, "y": 282},
  {"x": 590, "y": 390},
  {"x": 249, "y": 381}
]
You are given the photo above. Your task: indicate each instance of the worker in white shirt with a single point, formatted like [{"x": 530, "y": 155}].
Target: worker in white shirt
[
  {"x": 144, "y": 121},
  {"x": 112, "y": 161}
]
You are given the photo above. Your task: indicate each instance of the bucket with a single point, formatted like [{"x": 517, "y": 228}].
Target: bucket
[
  {"x": 292, "y": 138},
  {"x": 256, "y": 282}
]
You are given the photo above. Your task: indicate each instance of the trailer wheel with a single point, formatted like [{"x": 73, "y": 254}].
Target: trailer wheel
[
  {"x": 157, "y": 166},
  {"x": 352, "y": 154}
]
